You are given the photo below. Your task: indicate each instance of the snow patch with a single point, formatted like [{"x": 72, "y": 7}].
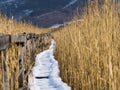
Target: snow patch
[
  {"x": 65, "y": 23},
  {"x": 45, "y": 73},
  {"x": 71, "y": 3},
  {"x": 57, "y": 26},
  {"x": 27, "y": 12},
  {"x": 7, "y": 1}
]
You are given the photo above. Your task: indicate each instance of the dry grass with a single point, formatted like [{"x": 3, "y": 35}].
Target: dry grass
[
  {"x": 10, "y": 59},
  {"x": 89, "y": 51},
  {"x": 9, "y": 26},
  {"x": 12, "y": 65}
]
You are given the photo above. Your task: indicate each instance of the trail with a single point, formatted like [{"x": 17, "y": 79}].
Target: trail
[{"x": 45, "y": 72}]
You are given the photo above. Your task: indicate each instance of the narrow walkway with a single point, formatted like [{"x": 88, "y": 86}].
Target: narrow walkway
[{"x": 45, "y": 73}]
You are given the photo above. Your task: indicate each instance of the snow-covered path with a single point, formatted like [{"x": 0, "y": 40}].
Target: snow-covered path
[{"x": 45, "y": 73}]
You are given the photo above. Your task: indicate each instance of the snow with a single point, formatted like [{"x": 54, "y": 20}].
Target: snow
[
  {"x": 71, "y": 3},
  {"x": 64, "y": 24},
  {"x": 56, "y": 26},
  {"x": 45, "y": 72},
  {"x": 27, "y": 12},
  {"x": 7, "y": 1}
]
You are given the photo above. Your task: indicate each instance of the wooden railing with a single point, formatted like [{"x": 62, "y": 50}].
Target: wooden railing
[{"x": 17, "y": 55}]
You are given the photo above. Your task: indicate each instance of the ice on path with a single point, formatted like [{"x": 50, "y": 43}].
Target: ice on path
[{"x": 45, "y": 73}]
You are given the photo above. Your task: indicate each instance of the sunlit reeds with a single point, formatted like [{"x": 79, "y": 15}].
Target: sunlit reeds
[{"x": 88, "y": 51}]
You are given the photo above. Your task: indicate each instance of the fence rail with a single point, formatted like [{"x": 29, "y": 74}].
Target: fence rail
[{"x": 28, "y": 45}]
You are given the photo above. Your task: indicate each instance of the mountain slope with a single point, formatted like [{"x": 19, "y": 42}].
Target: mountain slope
[{"x": 43, "y": 13}]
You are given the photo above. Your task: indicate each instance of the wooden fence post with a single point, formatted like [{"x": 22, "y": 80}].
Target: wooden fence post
[
  {"x": 21, "y": 40},
  {"x": 5, "y": 71},
  {"x": 23, "y": 62},
  {"x": 4, "y": 44},
  {"x": 0, "y": 72},
  {"x": 33, "y": 49},
  {"x": 36, "y": 40}
]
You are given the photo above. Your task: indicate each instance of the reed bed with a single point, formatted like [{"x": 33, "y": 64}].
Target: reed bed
[
  {"x": 9, "y": 26},
  {"x": 88, "y": 51},
  {"x": 11, "y": 66},
  {"x": 15, "y": 60}
]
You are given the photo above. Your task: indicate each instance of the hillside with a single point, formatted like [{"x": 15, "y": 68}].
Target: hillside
[
  {"x": 87, "y": 50},
  {"x": 57, "y": 11}
]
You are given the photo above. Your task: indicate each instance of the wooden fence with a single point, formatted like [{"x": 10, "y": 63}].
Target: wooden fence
[{"x": 17, "y": 55}]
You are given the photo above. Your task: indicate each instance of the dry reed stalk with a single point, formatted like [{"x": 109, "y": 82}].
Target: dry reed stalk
[{"x": 85, "y": 48}]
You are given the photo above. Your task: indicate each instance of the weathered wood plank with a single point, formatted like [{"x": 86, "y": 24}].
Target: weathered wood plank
[
  {"x": 23, "y": 63},
  {"x": 1, "y": 78},
  {"x": 5, "y": 71},
  {"x": 18, "y": 38},
  {"x": 23, "y": 58},
  {"x": 6, "y": 76},
  {"x": 4, "y": 41},
  {"x": 31, "y": 41},
  {"x": 30, "y": 35}
]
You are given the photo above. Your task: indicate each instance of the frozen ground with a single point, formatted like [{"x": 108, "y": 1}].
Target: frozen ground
[{"x": 45, "y": 73}]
